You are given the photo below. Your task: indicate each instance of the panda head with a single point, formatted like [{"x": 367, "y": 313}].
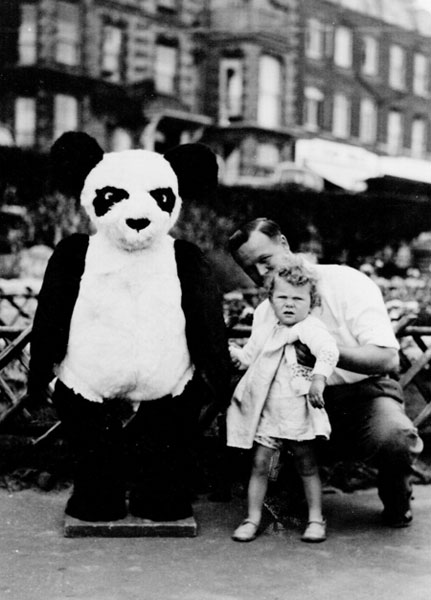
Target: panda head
[{"x": 131, "y": 196}]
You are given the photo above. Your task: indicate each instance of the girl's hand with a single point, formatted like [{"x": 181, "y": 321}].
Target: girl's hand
[
  {"x": 315, "y": 398},
  {"x": 235, "y": 352},
  {"x": 315, "y": 394}
]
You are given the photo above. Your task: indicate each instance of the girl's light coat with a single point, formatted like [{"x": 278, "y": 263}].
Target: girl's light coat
[{"x": 266, "y": 348}]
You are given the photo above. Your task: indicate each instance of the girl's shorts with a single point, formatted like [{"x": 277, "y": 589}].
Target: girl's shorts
[{"x": 269, "y": 442}]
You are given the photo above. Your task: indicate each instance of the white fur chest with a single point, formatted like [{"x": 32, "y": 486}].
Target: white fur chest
[{"x": 127, "y": 335}]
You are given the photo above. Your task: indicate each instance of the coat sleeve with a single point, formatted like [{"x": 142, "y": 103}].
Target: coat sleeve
[
  {"x": 205, "y": 327},
  {"x": 260, "y": 329},
  {"x": 322, "y": 345},
  {"x": 56, "y": 300}
]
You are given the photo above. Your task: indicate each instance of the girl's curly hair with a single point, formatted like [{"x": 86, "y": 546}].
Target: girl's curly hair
[{"x": 295, "y": 271}]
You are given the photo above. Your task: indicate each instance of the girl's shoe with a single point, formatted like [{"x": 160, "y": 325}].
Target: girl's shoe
[
  {"x": 246, "y": 532},
  {"x": 315, "y": 532}
]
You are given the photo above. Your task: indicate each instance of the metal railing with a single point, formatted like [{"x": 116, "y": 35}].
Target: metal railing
[
  {"x": 18, "y": 309},
  {"x": 248, "y": 19}
]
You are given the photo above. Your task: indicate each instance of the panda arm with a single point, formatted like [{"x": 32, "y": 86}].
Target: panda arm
[
  {"x": 205, "y": 327},
  {"x": 56, "y": 300}
]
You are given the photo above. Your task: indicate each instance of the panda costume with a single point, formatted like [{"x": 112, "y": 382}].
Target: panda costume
[{"x": 129, "y": 321}]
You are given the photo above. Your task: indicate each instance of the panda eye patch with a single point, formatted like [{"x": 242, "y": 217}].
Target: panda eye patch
[
  {"x": 165, "y": 198},
  {"x": 106, "y": 197}
]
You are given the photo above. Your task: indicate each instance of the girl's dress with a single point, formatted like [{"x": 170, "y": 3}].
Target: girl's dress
[
  {"x": 270, "y": 399},
  {"x": 288, "y": 415}
]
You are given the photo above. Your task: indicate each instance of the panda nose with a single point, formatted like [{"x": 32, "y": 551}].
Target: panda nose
[{"x": 137, "y": 224}]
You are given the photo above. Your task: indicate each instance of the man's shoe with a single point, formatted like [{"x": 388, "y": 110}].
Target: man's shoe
[{"x": 397, "y": 521}]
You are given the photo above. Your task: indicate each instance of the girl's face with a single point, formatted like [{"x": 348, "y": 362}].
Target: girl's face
[{"x": 291, "y": 303}]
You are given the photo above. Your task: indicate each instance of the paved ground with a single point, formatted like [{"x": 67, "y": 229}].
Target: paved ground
[{"x": 360, "y": 560}]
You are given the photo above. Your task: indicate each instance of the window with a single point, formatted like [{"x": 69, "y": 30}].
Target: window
[
  {"x": 341, "y": 116},
  {"x": 397, "y": 67},
  {"x": 25, "y": 121},
  {"x": 6, "y": 136},
  {"x": 67, "y": 48},
  {"x": 420, "y": 75},
  {"x": 368, "y": 121},
  {"x": 313, "y": 108},
  {"x": 267, "y": 156},
  {"x": 231, "y": 89},
  {"x": 329, "y": 40},
  {"x": 419, "y": 137},
  {"x": 121, "y": 140},
  {"x": 166, "y": 68},
  {"x": 314, "y": 39},
  {"x": 65, "y": 114},
  {"x": 343, "y": 47},
  {"x": 395, "y": 132},
  {"x": 269, "y": 98},
  {"x": 27, "y": 35},
  {"x": 112, "y": 46},
  {"x": 370, "y": 56}
]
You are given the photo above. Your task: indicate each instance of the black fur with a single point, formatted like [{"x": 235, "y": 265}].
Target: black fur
[
  {"x": 196, "y": 168},
  {"x": 106, "y": 197},
  {"x": 138, "y": 224},
  {"x": 72, "y": 157},
  {"x": 165, "y": 198}
]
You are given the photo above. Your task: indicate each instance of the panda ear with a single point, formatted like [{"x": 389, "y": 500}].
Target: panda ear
[
  {"x": 196, "y": 168},
  {"x": 72, "y": 157}
]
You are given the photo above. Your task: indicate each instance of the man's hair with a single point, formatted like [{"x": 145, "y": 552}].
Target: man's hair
[
  {"x": 242, "y": 235},
  {"x": 295, "y": 271}
]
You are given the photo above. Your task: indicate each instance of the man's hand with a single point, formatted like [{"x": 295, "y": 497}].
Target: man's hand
[
  {"x": 315, "y": 395},
  {"x": 235, "y": 353},
  {"x": 303, "y": 355}
]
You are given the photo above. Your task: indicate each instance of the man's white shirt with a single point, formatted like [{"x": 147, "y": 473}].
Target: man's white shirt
[{"x": 352, "y": 309}]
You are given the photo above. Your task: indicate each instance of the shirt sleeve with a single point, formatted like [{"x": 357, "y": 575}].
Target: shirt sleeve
[
  {"x": 314, "y": 334},
  {"x": 365, "y": 312}
]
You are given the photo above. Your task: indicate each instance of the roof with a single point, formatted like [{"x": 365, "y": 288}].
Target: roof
[{"x": 406, "y": 14}]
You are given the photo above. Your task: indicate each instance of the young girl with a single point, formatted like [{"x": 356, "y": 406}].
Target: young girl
[{"x": 280, "y": 401}]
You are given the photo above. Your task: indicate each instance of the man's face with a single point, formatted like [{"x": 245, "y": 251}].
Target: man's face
[{"x": 260, "y": 254}]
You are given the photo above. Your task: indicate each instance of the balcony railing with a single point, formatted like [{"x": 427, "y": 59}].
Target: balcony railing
[{"x": 249, "y": 20}]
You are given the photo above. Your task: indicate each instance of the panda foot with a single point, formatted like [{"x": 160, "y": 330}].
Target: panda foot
[
  {"x": 170, "y": 513},
  {"x": 84, "y": 512}
]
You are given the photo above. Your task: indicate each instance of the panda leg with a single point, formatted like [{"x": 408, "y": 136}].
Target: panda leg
[
  {"x": 162, "y": 436},
  {"x": 95, "y": 435}
]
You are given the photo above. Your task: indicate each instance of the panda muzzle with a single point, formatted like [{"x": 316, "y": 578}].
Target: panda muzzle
[{"x": 137, "y": 224}]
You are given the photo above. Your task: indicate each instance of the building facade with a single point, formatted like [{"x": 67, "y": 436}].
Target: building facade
[
  {"x": 332, "y": 84},
  {"x": 251, "y": 79},
  {"x": 366, "y": 79},
  {"x": 124, "y": 71}
]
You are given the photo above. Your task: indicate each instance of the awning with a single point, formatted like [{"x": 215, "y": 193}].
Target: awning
[
  {"x": 404, "y": 167},
  {"x": 190, "y": 119},
  {"x": 346, "y": 166},
  {"x": 345, "y": 178},
  {"x": 177, "y": 119}
]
